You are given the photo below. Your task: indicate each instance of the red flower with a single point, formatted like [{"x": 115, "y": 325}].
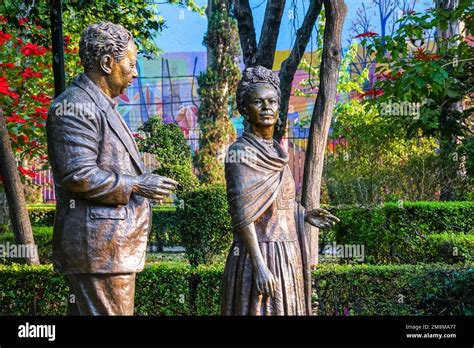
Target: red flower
[
  {"x": 41, "y": 112},
  {"x": 421, "y": 54},
  {"x": 4, "y": 88},
  {"x": 8, "y": 65},
  {"x": 387, "y": 75},
  {"x": 30, "y": 73},
  {"x": 42, "y": 98},
  {"x": 33, "y": 49},
  {"x": 4, "y": 37},
  {"x": 15, "y": 118},
  {"x": 366, "y": 34},
  {"x": 373, "y": 92},
  {"x": 3, "y": 19},
  {"x": 23, "y": 21},
  {"x": 27, "y": 172},
  {"x": 136, "y": 135}
]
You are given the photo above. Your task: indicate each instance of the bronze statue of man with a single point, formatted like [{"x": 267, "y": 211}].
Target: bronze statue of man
[
  {"x": 103, "y": 210},
  {"x": 267, "y": 271}
]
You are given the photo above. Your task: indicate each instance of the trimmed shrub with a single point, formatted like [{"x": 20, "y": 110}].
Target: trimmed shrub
[
  {"x": 208, "y": 290},
  {"x": 204, "y": 225},
  {"x": 43, "y": 240},
  {"x": 164, "y": 227},
  {"x": 32, "y": 290},
  {"x": 394, "y": 290},
  {"x": 164, "y": 289},
  {"x": 398, "y": 232},
  {"x": 178, "y": 289},
  {"x": 42, "y": 214},
  {"x": 449, "y": 248},
  {"x": 168, "y": 144},
  {"x": 393, "y": 233}
]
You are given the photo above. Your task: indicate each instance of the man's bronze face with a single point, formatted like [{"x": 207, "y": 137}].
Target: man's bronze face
[
  {"x": 262, "y": 105},
  {"x": 123, "y": 72}
]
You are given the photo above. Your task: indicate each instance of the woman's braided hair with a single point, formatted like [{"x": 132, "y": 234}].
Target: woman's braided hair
[{"x": 251, "y": 77}]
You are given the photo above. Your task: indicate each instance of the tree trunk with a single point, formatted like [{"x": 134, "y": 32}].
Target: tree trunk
[
  {"x": 451, "y": 161},
  {"x": 15, "y": 196},
  {"x": 335, "y": 11},
  {"x": 248, "y": 39},
  {"x": 269, "y": 35},
  {"x": 290, "y": 65},
  {"x": 216, "y": 88},
  {"x": 4, "y": 214}
]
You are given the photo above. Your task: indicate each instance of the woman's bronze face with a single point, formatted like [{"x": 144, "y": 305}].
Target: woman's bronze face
[{"x": 261, "y": 105}]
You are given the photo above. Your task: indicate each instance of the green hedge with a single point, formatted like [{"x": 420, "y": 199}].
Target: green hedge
[
  {"x": 43, "y": 240},
  {"x": 42, "y": 214},
  {"x": 164, "y": 220},
  {"x": 408, "y": 232},
  {"x": 176, "y": 289},
  {"x": 433, "y": 289},
  {"x": 203, "y": 224},
  {"x": 164, "y": 227},
  {"x": 447, "y": 248},
  {"x": 398, "y": 232}
]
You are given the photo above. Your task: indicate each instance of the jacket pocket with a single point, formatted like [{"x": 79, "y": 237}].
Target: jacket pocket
[{"x": 114, "y": 213}]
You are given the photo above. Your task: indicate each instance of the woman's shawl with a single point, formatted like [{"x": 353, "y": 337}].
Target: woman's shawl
[{"x": 254, "y": 177}]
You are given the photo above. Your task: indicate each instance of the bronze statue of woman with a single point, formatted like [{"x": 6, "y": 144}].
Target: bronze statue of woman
[{"x": 267, "y": 270}]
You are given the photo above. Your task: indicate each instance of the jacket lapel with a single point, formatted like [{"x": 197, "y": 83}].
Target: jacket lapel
[{"x": 114, "y": 119}]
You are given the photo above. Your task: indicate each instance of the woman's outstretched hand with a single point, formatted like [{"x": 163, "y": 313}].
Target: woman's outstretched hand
[{"x": 321, "y": 218}]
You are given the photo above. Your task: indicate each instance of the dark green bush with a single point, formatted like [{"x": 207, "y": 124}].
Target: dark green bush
[
  {"x": 42, "y": 214},
  {"x": 448, "y": 248},
  {"x": 393, "y": 233},
  {"x": 43, "y": 240},
  {"x": 208, "y": 290},
  {"x": 172, "y": 151},
  {"x": 32, "y": 290},
  {"x": 177, "y": 289},
  {"x": 164, "y": 227},
  {"x": 397, "y": 232},
  {"x": 164, "y": 289},
  {"x": 203, "y": 222},
  {"x": 394, "y": 290}
]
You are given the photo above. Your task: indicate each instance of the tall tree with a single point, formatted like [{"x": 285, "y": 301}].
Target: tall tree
[
  {"x": 438, "y": 80},
  {"x": 217, "y": 86},
  {"x": 448, "y": 142},
  {"x": 263, "y": 53},
  {"x": 15, "y": 196},
  {"x": 335, "y": 12}
]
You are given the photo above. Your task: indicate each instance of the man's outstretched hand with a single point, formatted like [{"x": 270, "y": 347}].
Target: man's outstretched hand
[{"x": 154, "y": 186}]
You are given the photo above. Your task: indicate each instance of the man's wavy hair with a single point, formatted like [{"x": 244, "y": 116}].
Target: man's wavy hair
[{"x": 103, "y": 38}]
